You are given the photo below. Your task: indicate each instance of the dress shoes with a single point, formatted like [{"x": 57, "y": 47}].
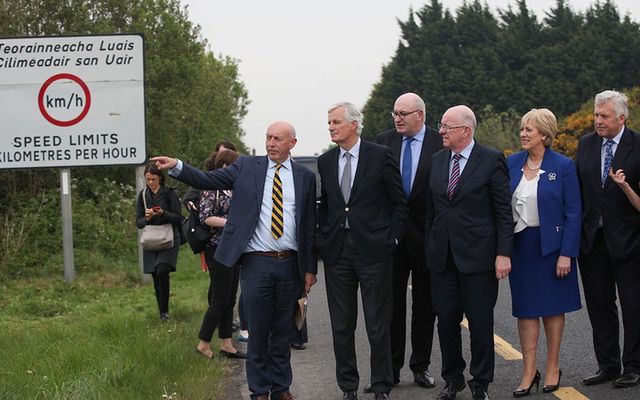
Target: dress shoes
[
  {"x": 369, "y": 389},
  {"x": 299, "y": 346},
  {"x": 626, "y": 380},
  {"x": 350, "y": 395},
  {"x": 526, "y": 391},
  {"x": 285, "y": 395},
  {"x": 262, "y": 397},
  {"x": 450, "y": 390},
  {"x": 553, "y": 388},
  {"x": 237, "y": 354},
  {"x": 601, "y": 376},
  {"x": 382, "y": 396},
  {"x": 479, "y": 393},
  {"x": 424, "y": 379}
]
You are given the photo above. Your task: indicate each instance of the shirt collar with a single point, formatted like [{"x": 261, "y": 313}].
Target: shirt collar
[
  {"x": 616, "y": 138},
  {"x": 286, "y": 164},
  {"x": 466, "y": 152},
  {"x": 354, "y": 151},
  {"x": 418, "y": 136}
]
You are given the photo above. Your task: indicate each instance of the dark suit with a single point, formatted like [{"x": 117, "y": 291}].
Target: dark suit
[
  {"x": 361, "y": 255},
  {"x": 610, "y": 253},
  {"x": 409, "y": 258},
  {"x": 463, "y": 236},
  {"x": 270, "y": 286}
]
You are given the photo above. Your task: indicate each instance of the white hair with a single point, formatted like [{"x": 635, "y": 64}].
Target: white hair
[
  {"x": 351, "y": 113},
  {"x": 619, "y": 101}
]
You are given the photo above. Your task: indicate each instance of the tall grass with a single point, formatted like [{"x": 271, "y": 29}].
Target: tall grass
[{"x": 100, "y": 338}]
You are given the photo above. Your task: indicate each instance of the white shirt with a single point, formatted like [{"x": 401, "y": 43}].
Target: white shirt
[
  {"x": 462, "y": 162},
  {"x": 342, "y": 161},
  {"x": 524, "y": 203}
]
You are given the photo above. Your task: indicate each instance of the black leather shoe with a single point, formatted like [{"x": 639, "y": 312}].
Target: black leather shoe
[
  {"x": 382, "y": 396},
  {"x": 626, "y": 380},
  {"x": 601, "y": 376},
  {"x": 525, "y": 391},
  {"x": 553, "y": 388},
  {"x": 424, "y": 379},
  {"x": 478, "y": 393},
  {"x": 351, "y": 395},
  {"x": 299, "y": 346},
  {"x": 450, "y": 390},
  {"x": 369, "y": 389},
  {"x": 238, "y": 354}
]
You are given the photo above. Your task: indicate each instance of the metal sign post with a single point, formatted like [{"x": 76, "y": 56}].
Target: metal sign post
[
  {"x": 67, "y": 224},
  {"x": 140, "y": 184}
]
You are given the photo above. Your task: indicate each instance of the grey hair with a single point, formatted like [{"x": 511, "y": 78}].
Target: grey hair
[
  {"x": 469, "y": 119},
  {"x": 619, "y": 100},
  {"x": 351, "y": 113},
  {"x": 420, "y": 104}
]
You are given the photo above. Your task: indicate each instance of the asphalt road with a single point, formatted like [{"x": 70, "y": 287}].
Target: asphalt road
[{"x": 314, "y": 368}]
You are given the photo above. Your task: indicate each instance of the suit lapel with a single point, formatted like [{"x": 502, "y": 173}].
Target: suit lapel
[
  {"x": 298, "y": 187},
  {"x": 472, "y": 164},
  {"x": 333, "y": 183},
  {"x": 396, "y": 146},
  {"x": 261, "y": 173},
  {"x": 363, "y": 159},
  {"x": 421, "y": 171}
]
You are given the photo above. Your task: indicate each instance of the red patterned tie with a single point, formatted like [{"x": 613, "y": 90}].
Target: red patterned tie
[{"x": 455, "y": 175}]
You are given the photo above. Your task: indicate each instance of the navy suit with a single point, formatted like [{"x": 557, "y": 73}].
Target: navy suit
[
  {"x": 409, "y": 258},
  {"x": 270, "y": 286},
  {"x": 610, "y": 251},
  {"x": 463, "y": 236}
]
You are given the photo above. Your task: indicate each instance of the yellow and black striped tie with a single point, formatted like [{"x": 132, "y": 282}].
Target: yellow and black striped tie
[{"x": 277, "y": 214}]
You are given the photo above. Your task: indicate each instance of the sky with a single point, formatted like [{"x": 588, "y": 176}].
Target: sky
[{"x": 298, "y": 57}]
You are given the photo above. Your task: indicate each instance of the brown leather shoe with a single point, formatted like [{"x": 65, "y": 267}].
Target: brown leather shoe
[
  {"x": 285, "y": 395},
  {"x": 263, "y": 397}
]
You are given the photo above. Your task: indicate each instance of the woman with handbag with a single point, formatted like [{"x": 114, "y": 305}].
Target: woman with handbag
[
  {"x": 213, "y": 209},
  {"x": 159, "y": 209}
]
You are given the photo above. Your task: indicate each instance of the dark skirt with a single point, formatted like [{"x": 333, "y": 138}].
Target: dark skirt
[{"x": 536, "y": 291}]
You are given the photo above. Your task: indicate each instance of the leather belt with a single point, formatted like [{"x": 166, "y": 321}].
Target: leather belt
[{"x": 274, "y": 254}]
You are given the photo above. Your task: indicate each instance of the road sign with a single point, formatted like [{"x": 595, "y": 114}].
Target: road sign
[{"x": 72, "y": 101}]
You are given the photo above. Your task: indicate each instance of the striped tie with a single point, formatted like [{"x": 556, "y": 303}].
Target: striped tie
[
  {"x": 277, "y": 215},
  {"x": 455, "y": 175}
]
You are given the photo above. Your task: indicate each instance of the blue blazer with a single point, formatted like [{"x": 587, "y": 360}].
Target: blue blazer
[
  {"x": 559, "y": 205},
  {"x": 246, "y": 178}
]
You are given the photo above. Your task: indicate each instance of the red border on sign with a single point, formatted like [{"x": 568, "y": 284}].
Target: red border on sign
[{"x": 48, "y": 83}]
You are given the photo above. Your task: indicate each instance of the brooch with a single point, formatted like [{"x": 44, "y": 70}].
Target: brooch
[{"x": 552, "y": 176}]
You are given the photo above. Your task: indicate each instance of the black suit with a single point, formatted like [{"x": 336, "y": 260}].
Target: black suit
[
  {"x": 361, "y": 255},
  {"x": 409, "y": 258},
  {"x": 463, "y": 236},
  {"x": 610, "y": 250}
]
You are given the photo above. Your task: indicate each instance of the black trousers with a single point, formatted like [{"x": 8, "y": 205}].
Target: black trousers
[
  {"x": 473, "y": 295},
  {"x": 602, "y": 273},
  {"x": 342, "y": 280},
  {"x": 161, "y": 286},
  {"x": 223, "y": 287},
  {"x": 422, "y": 314}
]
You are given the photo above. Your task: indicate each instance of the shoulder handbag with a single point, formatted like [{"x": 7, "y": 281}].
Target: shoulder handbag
[
  {"x": 198, "y": 236},
  {"x": 155, "y": 237}
]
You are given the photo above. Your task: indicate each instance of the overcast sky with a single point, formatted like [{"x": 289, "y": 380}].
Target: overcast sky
[{"x": 298, "y": 57}]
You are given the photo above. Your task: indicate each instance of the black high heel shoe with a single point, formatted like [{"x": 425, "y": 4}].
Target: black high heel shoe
[
  {"x": 525, "y": 392},
  {"x": 552, "y": 388}
]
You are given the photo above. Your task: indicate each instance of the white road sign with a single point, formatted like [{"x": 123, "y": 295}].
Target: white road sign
[{"x": 72, "y": 101}]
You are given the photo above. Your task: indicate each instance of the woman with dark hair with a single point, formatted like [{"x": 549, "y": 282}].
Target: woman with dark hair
[
  {"x": 162, "y": 207},
  {"x": 213, "y": 209}
]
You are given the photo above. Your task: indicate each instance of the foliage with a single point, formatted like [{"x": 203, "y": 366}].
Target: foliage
[
  {"x": 512, "y": 61},
  {"x": 193, "y": 99},
  {"x": 499, "y": 130},
  {"x": 100, "y": 338}
]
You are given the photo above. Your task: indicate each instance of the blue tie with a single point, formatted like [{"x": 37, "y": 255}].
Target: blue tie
[
  {"x": 407, "y": 162},
  {"x": 608, "y": 158}
]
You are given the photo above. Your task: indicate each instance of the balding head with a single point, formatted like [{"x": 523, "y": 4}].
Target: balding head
[
  {"x": 280, "y": 139},
  {"x": 412, "y": 107},
  {"x": 457, "y": 127}
]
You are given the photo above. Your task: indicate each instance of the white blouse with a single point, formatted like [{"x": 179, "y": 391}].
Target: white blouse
[{"x": 524, "y": 203}]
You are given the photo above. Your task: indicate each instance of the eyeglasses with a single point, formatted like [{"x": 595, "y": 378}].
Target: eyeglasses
[
  {"x": 447, "y": 128},
  {"x": 402, "y": 114}
]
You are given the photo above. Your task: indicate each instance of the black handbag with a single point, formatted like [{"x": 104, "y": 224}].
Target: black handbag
[{"x": 197, "y": 235}]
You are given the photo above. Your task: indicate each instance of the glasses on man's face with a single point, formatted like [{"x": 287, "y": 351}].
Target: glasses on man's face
[
  {"x": 402, "y": 114},
  {"x": 446, "y": 128}
]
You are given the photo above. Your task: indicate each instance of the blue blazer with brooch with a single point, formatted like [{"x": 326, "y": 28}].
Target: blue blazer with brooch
[{"x": 559, "y": 205}]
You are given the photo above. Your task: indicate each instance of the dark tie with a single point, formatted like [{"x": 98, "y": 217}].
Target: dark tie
[
  {"x": 345, "y": 181},
  {"x": 455, "y": 175},
  {"x": 407, "y": 162},
  {"x": 608, "y": 158},
  {"x": 277, "y": 215}
]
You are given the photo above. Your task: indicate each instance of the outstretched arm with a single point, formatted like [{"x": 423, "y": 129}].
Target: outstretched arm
[{"x": 619, "y": 178}]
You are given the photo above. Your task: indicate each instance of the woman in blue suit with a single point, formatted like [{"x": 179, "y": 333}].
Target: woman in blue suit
[{"x": 546, "y": 213}]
